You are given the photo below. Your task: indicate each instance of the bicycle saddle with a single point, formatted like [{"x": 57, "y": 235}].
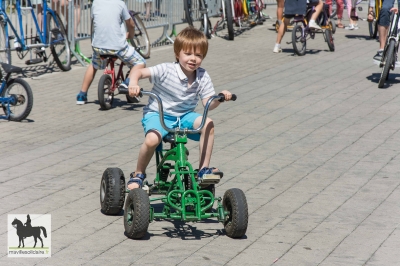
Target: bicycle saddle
[
  {"x": 10, "y": 68},
  {"x": 105, "y": 56},
  {"x": 169, "y": 138}
]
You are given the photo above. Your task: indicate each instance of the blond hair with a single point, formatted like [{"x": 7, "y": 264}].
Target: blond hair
[{"x": 190, "y": 39}]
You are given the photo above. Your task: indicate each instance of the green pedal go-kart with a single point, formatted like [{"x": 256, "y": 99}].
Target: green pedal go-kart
[{"x": 184, "y": 196}]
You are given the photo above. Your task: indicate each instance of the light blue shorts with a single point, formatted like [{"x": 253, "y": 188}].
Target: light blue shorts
[
  {"x": 151, "y": 121},
  {"x": 128, "y": 55}
]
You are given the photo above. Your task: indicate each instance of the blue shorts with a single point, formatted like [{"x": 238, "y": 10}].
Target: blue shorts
[
  {"x": 151, "y": 121},
  {"x": 384, "y": 14}
]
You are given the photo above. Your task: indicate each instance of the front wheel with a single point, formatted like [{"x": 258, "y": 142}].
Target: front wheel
[
  {"x": 137, "y": 213},
  {"x": 299, "y": 40},
  {"x": 22, "y": 103},
  {"x": 229, "y": 19},
  {"x": 5, "y": 52},
  {"x": 58, "y": 40},
  {"x": 141, "y": 40},
  {"x": 235, "y": 203},
  {"x": 112, "y": 191},
  {"x": 329, "y": 40},
  {"x": 105, "y": 93},
  {"x": 332, "y": 26},
  {"x": 388, "y": 61}
]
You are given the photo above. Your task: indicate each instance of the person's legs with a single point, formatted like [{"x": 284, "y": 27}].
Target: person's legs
[
  {"x": 90, "y": 73},
  {"x": 383, "y": 27},
  {"x": 319, "y": 5},
  {"x": 281, "y": 33},
  {"x": 339, "y": 12},
  {"x": 77, "y": 16},
  {"x": 279, "y": 9}
]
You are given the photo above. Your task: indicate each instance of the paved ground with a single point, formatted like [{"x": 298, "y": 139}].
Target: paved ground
[{"x": 311, "y": 140}]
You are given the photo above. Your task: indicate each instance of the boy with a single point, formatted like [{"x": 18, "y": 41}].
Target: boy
[
  {"x": 109, "y": 38},
  {"x": 179, "y": 85}
]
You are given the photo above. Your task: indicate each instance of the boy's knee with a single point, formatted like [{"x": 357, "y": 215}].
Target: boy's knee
[{"x": 153, "y": 138}]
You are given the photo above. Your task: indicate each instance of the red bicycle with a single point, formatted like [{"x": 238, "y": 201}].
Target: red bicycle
[{"x": 110, "y": 81}]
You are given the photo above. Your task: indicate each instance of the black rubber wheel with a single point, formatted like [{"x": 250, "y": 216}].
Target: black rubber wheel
[
  {"x": 106, "y": 97},
  {"x": 329, "y": 40},
  {"x": 58, "y": 40},
  {"x": 23, "y": 99},
  {"x": 195, "y": 18},
  {"x": 137, "y": 213},
  {"x": 389, "y": 60},
  {"x": 5, "y": 54},
  {"x": 235, "y": 204},
  {"x": 375, "y": 32},
  {"x": 332, "y": 26},
  {"x": 298, "y": 40},
  {"x": 112, "y": 191},
  {"x": 229, "y": 20},
  {"x": 141, "y": 41}
]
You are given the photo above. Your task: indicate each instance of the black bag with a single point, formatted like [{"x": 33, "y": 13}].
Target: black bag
[{"x": 295, "y": 7}]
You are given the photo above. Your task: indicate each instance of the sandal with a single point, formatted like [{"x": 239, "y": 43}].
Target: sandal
[
  {"x": 136, "y": 178},
  {"x": 340, "y": 26},
  {"x": 209, "y": 171}
]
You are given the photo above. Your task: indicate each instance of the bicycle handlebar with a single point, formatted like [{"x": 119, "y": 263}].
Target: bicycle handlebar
[{"x": 220, "y": 98}]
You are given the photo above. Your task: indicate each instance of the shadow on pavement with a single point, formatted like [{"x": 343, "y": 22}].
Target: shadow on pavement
[{"x": 392, "y": 79}]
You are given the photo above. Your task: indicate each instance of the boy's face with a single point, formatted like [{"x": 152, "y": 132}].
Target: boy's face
[{"x": 190, "y": 60}]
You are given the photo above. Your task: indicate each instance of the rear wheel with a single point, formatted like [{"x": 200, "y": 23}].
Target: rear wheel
[
  {"x": 329, "y": 40},
  {"x": 141, "y": 40},
  {"x": 22, "y": 99},
  {"x": 299, "y": 40},
  {"x": 196, "y": 18},
  {"x": 332, "y": 26},
  {"x": 235, "y": 203},
  {"x": 137, "y": 214},
  {"x": 229, "y": 19},
  {"x": 112, "y": 191},
  {"x": 388, "y": 61},
  {"x": 105, "y": 94},
  {"x": 5, "y": 52},
  {"x": 58, "y": 40}
]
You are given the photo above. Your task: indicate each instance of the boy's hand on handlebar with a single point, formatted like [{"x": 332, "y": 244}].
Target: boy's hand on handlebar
[
  {"x": 227, "y": 94},
  {"x": 134, "y": 90},
  {"x": 394, "y": 9}
]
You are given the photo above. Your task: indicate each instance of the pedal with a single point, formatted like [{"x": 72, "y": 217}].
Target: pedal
[
  {"x": 209, "y": 179},
  {"x": 33, "y": 61}
]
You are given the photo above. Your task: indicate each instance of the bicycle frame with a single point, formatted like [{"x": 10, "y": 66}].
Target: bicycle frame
[
  {"x": 392, "y": 35},
  {"x": 110, "y": 70},
  {"x": 42, "y": 34}
]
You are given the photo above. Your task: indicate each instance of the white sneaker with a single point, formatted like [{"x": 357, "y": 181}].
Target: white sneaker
[
  {"x": 350, "y": 27},
  {"x": 314, "y": 25},
  {"x": 277, "y": 49}
]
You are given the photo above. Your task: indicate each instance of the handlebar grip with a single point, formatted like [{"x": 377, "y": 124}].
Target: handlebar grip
[
  {"x": 223, "y": 99},
  {"x": 123, "y": 90}
]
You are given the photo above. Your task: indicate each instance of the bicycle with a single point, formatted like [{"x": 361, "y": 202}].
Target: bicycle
[
  {"x": 16, "y": 97},
  {"x": 54, "y": 36},
  {"x": 197, "y": 16},
  {"x": 185, "y": 197},
  {"x": 225, "y": 21},
  {"x": 110, "y": 81},
  {"x": 140, "y": 41},
  {"x": 373, "y": 25},
  {"x": 302, "y": 31},
  {"x": 389, "y": 56}
]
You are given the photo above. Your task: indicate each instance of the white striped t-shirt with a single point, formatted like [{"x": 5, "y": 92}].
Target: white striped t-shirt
[{"x": 171, "y": 85}]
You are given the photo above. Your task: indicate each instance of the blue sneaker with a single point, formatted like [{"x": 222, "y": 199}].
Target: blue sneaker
[{"x": 81, "y": 98}]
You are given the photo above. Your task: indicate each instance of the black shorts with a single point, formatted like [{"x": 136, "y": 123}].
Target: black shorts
[{"x": 297, "y": 7}]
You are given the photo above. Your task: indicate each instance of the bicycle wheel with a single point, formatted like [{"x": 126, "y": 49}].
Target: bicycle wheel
[
  {"x": 141, "y": 40},
  {"x": 332, "y": 26},
  {"x": 5, "y": 52},
  {"x": 329, "y": 40},
  {"x": 229, "y": 19},
  {"x": 388, "y": 60},
  {"x": 22, "y": 93},
  {"x": 195, "y": 18},
  {"x": 334, "y": 8},
  {"x": 106, "y": 96},
  {"x": 58, "y": 40},
  {"x": 299, "y": 40}
]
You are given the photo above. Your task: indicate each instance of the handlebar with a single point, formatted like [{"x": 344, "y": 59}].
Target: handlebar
[{"x": 220, "y": 98}]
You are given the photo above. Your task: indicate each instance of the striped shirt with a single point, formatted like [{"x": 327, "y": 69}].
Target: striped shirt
[{"x": 171, "y": 85}]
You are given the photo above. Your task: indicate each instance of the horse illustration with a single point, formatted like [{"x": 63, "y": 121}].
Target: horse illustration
[{"x": 27, "y": 231}]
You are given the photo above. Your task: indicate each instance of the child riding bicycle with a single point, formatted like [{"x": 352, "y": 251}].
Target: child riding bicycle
[
  {"x": 110, "y": 39},
  {"x": 180, "y": 85}
]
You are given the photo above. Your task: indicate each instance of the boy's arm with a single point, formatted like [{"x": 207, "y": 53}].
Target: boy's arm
[
  {"x": 130, "y": 24},
  {"x": 215, "y": 104},
  {"x": 134, "y": 76}
]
